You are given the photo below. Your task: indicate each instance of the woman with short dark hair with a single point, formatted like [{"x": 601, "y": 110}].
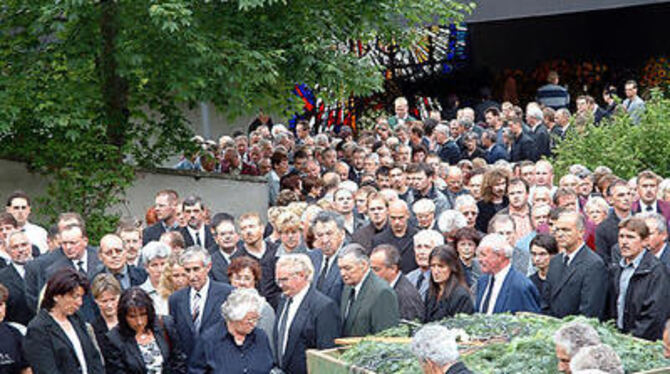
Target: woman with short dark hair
[
  {"x": 142, "y": 342},
  {"x": 466, "y": 240},
  {"x": 448, "y": 293},
  {"x": 12, "y": 361},
  {"x": 58, "y": 340},
  {"x": 542, "y": 248}
]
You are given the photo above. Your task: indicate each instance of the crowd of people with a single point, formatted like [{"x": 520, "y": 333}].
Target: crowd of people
[{"x": 415, "y": 220}]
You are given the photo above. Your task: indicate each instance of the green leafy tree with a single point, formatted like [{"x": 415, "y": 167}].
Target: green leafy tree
[
  {"x": 620, "y": 145},
  {"x": 91, "y": 89}
]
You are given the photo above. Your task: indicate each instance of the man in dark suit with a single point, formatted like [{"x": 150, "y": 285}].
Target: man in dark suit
[
  {"x": 165, "y": 205},
  {"x": 329, "y": 238},
  {"x": 640, "y": 283},
  {"x": 113, "y": 256},
  {"x": 608, "y": 230},
  {"x": 198, "y": 306},
  {"x": 306, "y": 318},
  {"x": 658, "y": 236},
  {"x": 501, "y": 288},
  {"x": 523, "y": 147},
  {"x": 19, "y": 249},
  {"x": 80, "y": 257},
  {"x": 494, "y": 151},
  {"x": 385, "y": 262},
  {"x": 539, "y": 131},
  {"x": 647, "y": 189},
  {"x": 577, "y": 280},
  {"x": 369, "y": 305},
  {"x": 448, "y": 150},
  {"x": 195, "y": 232},
  {"x": 399, "y": 233},
  {"x": 226, "y": 238}
]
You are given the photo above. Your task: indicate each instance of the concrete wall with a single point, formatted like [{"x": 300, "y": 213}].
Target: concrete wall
[{"x": 234, "y": 195}]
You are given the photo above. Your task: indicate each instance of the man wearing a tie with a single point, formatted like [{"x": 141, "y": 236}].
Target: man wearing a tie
[
  {"x": 501, "y": 288},
  {"x": 368, "y": 305},
  {"x": 13, "y": 277},
  {"x": 197, "y": 307},
  {"x": 195, "y": 232},
  {"x": 647, "y": 189},
  {"x": 306, "y": 318},
  {"x": 577, "y": 279},
  {"x": 112, "y": 253}
]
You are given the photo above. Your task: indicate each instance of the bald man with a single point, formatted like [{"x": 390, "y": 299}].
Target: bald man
[
  {"x": 112, "y": 254},
  {"x": 399, "y": 233}
]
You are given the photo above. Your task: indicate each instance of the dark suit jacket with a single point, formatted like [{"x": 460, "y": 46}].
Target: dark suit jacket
[
  {"x": 450, "y": 152},
  {"x": 123, "y": 356},
  {"x": 459, "y": 301},
  {"x": 647, "y": 298},
  {"x": 219, "y": 271},
  {"x": 524, "y": 149},
  {"x": 663, "y": 207},
  {"x": 188, "y": 240},
  {"x": 579, "y": 289},
  {"x": 49, "y": 351},
  {"x": 410, "y": 304},
  {"x": 17, "y": 304},
  {"x": 364, "y": 235},
  {"x": 498, "y": 152},
  {"x": 180, "y": 310},
  {"x": 542, "y": 140},
  {"x": 517, "y": 294},
  {"x": 315, "y": 326},
  {"x": 35, "y": 275},
  {"x": 374, "y": 309},
  {"x": 599, "y": 115},
  {"x": 152, "y": 233},
  {"x": 607, "y": 234},
  {"x": 89, "y": 309},
  {"x": 137, "y": 275},
  {"x": 332, "y": 285}
]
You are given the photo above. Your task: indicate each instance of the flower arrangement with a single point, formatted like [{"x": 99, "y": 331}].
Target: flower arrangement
[{"x": 656, "y": 72}]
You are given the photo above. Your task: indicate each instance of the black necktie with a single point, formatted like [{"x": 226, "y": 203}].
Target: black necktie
[
  {"x": 649, "y": 208},
  {"x": 350, "y": 302},
  {"x": 566, "y": 260},
  {"x": 119, "y": 277},
  {"x": 322, "y": 276},
  {"x": 282, "y": 330},
  {"x": 80, "y": 267},
  {"x": 489, "y": 291},
  {"x": 420, "y": 280},
  {"x": 197, "y": 239}
]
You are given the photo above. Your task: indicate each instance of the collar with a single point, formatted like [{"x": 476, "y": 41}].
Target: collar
[
  {"x": 360, "y": 284},
  {"x": 19, "y": 269},
  {"x": 654, "y": 206},
  {"x": 297, "y": 299},
  {"x": 571, "y": 256},
  {"x": 659, "y": 254},
  {"x": 636, "y": 261},
  {"x": 502, "y": 274},
  {"x": 203, "y": 291},
  {"x": 395, "y": 281}
]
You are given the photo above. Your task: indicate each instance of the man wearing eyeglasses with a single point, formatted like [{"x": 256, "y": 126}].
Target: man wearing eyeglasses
[
  {"x": 306, "y": 318},
  {"x": 113, "y": 257}
]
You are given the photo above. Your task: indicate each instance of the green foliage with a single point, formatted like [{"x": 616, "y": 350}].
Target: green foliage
[
  {"x": 620, "y": 145},
  {"x": 90, "y": 89},
  {"x": 528, "y": 347}
]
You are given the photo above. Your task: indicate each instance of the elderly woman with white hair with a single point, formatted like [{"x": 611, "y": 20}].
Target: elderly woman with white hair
[
  {"x": 597, "y": 357},
  {"x": 569, "y": 339},
  {"x": 155, "y": 257},
  {"x": 235, "y": 345},
  {"x": 435, "y": 347}
]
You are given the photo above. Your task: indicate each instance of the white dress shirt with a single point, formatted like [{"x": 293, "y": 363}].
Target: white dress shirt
[
  {"x": 497, "y": 286},
  {"x": 201, "y": 233},
  {"x": 37, "y": 236},
  {"x": 292, "y": 311}
]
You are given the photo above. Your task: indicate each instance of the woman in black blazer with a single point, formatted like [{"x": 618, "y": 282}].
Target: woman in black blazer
[
  {"x": 448, "y": 294},
  {"x": 57, "y": 340},
  {"x": 142, "y": 343}
]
